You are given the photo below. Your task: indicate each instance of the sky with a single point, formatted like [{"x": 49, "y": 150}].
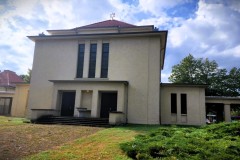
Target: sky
[{"x": 205, "y": 28}]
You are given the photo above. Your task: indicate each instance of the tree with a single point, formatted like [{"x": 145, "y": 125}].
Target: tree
[
  {"x": 193, "y": 71},
  {"x": 27, "y": 77},
  {"x": 199, "y": 71},
  {"x": 187, "y": 71}
]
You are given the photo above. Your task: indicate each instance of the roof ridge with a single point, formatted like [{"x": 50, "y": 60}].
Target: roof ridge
[{"x": 107, "y": 23}]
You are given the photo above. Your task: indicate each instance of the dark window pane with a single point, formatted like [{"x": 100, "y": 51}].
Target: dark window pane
[
  {"x": 92, "y": 61},
  {"x": 183, "y": 103},
  {"x": 81, "y": 48},
  {"x": 173, "y": 103},
  {"x": 105, "y": 57}
]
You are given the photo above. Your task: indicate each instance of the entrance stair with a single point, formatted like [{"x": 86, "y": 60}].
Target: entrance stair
[{"x": 95, "y": 122}]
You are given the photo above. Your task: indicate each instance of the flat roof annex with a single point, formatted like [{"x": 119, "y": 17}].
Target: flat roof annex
[{"x": 184, "y": 85}]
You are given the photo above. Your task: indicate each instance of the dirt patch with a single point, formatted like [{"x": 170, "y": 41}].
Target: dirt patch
[{"x": 18, "y": 141}]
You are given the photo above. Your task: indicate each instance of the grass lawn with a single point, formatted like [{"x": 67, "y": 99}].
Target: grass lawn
[
  {"x": 18, "y": 139},
  {"x": 60, "y": 142},
  {"x": 103, "y": 144}
]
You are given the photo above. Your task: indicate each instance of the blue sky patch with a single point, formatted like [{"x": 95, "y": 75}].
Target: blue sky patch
[{"x": 185, "y": 10}]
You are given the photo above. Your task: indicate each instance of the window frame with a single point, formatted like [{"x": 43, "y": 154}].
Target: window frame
[
  {"x": 80, "y": 60},
  {"x": 174, "y": 103},
  {"x": 92, "y": 60},
  {"x": 183, "y": 103},
  {"x": 105, "y": 60}
]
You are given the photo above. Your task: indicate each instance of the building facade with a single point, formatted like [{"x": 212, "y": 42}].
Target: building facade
[{"x": 109, "y": 69}]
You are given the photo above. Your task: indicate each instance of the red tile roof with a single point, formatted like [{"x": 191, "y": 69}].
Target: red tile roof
[
  {"x": 108, "y": 23},
  {"x": 9, "y": 78}
]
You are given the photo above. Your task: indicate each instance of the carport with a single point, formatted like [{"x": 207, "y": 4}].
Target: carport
[{"x": 222, "y": 103}]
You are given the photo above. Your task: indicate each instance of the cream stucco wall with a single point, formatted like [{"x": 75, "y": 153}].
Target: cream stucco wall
[
  {"x": 137, "y": 60},
  {"x": 86, "y": 99},
  {"x": 195, "y": 105},
  {"x": 133, "y": 59},
  {"x": 53, "y": 59},
  {"x": 19, "y": 106}
]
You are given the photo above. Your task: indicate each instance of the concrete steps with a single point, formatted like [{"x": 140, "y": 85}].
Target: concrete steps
[{"x": 96, "y": 122}]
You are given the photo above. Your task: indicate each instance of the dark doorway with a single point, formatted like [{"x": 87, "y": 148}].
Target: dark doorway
[
  {"x": 68, "y": 102},
  {"x": 215, "y": 109},
  {"x": 5, "y": 105},
  {"x": 108, "y": 103}
]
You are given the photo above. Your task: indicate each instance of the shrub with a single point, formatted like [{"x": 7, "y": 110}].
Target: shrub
[{"x": 218, "y": 141}]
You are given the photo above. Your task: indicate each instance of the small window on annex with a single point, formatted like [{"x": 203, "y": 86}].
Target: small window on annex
[
  {"x": 173, "y": 103},
  {"x": 183, "y": 103}
]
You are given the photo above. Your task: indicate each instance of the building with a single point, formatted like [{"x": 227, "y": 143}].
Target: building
[
  {"x": 110, "y": 69},
  {"x": 13, "y": 94}
]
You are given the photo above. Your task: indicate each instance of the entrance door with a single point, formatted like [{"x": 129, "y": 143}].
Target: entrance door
[
  {"x": 68, "y": 102},
  {"x": 108, "y": 103}
]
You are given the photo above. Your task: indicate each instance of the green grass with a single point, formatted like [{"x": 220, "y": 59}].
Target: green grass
[
  {"x": 213, "y": 142},
  {"x": 11, "y": 121},
  {"x": 104, "y": 144}
]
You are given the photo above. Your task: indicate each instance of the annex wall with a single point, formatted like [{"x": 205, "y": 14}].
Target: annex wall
[{"x": 195, "y": 105}]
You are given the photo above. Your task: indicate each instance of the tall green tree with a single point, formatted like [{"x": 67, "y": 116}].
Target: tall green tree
[
  {"x": 193, "y": 71},
  {"x": 199, "y": 71},
  {"x": 187, "y": 71},
  {"x": 27, "y": 77},
  {"x": 233, "y": 81}
]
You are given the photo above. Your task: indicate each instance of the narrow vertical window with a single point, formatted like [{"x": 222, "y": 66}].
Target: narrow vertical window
[
  {"x": 173, "y": 103},
  {"x": 80, "y": 61},
  {"x": 104, "y": 64},
  {"x": 92, "y": 61},
  {"x": 183, "y": 103}
]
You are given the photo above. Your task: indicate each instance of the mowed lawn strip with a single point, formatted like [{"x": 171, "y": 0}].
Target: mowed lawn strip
[
  {"x": 11, "y": 121},
  {"x": 101, "y": 145}
]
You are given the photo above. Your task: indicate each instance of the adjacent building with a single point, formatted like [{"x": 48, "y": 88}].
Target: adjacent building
[{"x": 13, "y": 94}]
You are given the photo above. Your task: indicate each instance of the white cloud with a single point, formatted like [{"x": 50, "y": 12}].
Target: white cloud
[
  {"x": 164, "y": 77},
  {"x": 213, "y": 26},
  {"x": 235, "y": 52}
]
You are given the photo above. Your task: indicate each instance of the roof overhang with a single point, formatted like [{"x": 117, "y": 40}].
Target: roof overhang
[
  {"x": 103, "y": 35},
  {"x": 223, "y": 99},
  {"x": 89, "y": 81},
  {"x": 163, "y": 48},
  {"x": 78, "y": 29},
  {"x": 184, "y": 85}
]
